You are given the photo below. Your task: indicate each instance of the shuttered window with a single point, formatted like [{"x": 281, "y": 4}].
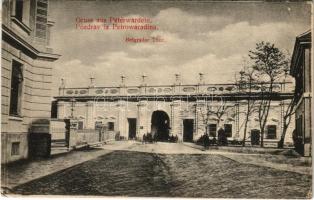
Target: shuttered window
[{"x": 41, "y": 19}]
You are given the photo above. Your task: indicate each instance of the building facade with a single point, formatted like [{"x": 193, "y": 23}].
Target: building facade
[
  {"x": 185, "y": 111},
  {"x": 301, "y": 71},
  {"x": 26, "y": 73}
]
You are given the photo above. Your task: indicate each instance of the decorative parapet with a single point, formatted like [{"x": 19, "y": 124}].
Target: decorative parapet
[{"x": 164, "y": 90}]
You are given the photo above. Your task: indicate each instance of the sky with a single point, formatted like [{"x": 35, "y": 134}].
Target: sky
[{"x": 213, "y": 38}]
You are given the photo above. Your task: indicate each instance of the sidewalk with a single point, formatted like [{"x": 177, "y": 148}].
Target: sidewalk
[
  {"x": 18, "y": 173},
  {"x": 262, "y": 157}
]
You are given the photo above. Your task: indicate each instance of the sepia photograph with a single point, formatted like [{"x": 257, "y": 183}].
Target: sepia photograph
[{"x": 167, "y": 99}]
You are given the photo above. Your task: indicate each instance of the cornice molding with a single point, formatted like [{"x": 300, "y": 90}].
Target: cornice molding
[{"x": 29, "y": 49}]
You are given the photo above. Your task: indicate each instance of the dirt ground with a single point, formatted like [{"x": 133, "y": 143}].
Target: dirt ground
[{"x": 151, "y": 174}]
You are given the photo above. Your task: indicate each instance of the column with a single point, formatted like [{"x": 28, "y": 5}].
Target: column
[
  {"x": 90, "y": 123},
  {"x": 176, "y": 120},
  {"x": 61, "y": 110},
  {"x": 122, "y": 122},
  {"x": 201, "y": 115},
  {"x": 142, "y": 118}
]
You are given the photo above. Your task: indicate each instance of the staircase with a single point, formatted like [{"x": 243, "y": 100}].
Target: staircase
[{"x": 59, "y": 146}]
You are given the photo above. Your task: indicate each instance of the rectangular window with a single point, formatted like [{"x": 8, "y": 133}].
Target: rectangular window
[
  {"x": 19, "y": 9},
  {"x": 16, "y": 88},
  {"x": 271, "y": 132},
  {"x": 80, "y": 125},
  {"x": 212, "y": 128},
  {"x": 228, "y": 130},
  {"x": 98, "y": 124},
  {"x": 15, "y": 149},
  {"x": 110, "y": 126}
]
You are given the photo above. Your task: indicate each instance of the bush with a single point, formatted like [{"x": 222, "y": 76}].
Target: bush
[
  {"x": 201, "y": 140},
  {"x": 173, "y": 139},
  {"x": 117, "y": 136},
  {"x": 297, "y": 142},
  {"x": 148, "y": 137}
]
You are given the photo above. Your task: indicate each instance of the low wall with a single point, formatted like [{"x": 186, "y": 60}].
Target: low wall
[
  {"x": 83, "y": 137},
  {"x": 88, "y": 136}
]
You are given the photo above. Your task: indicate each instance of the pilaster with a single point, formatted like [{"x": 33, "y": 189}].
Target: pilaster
[
  {"x": 122, "y": 123},
  {"x": 142, "y": 117},
  {"x": 176, "y": 120},
  {"x": 90, "y": 115}
]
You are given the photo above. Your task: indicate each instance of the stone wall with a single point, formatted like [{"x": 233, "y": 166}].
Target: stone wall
[{"x": 118, "y": 112}]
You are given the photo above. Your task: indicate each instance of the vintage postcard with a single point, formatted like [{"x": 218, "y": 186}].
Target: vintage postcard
[{"x": 134, "y": 98}]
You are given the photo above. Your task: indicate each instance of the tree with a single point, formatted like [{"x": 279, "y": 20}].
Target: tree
[
  {"x": 246, "y": 84},
  {"x": 269, "y": 63},
  {"x": 286, "y": 121},
  {"x": 214, "y": 110}
]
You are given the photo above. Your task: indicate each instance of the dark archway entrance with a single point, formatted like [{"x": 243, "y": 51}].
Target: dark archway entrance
[{"x": 160, "y": 125}]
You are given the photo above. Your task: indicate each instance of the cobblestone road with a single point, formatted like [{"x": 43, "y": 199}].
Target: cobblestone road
[{"x": 134, "y": 173}]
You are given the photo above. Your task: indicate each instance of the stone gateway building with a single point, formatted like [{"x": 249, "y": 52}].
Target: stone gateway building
[
  {"x": 26, "y": 73},
  {"x": 185, "y": 111}
]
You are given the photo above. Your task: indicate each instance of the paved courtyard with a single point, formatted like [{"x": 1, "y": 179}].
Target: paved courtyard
[{"x": 168, "y": 170}]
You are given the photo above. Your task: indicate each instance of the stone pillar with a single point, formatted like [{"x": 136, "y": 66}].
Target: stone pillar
[
  {"x": 200, "y": 114},
  {"x": 176, "y": 120},
  {"x": 122, "y": 123},
  {"x": 90, "y": 122},
  {"x": 142, "y": 117},
  {"x": 61, "y": 110}
]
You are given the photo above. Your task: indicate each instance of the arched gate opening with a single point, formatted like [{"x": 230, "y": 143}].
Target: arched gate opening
[{"x": 160, "y": 125}]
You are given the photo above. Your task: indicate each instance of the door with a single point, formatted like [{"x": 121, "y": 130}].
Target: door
[
  {"x": 188, "y": 130},
  {"x": 255, "y": 136},
  {"x": 132, "y": 128}
]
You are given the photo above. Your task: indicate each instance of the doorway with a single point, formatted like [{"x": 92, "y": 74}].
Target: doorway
[
  {"x": 132, "y": 128},
  {"x": 188, "y": 126},
  {"x": 255, "y": 136},
  {"x": 160, "y": 125}
]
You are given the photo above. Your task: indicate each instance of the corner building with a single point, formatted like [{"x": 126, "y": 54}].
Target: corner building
[
  {"x": 300, "y": 69},
  {"x": 26, "y": 73}
]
